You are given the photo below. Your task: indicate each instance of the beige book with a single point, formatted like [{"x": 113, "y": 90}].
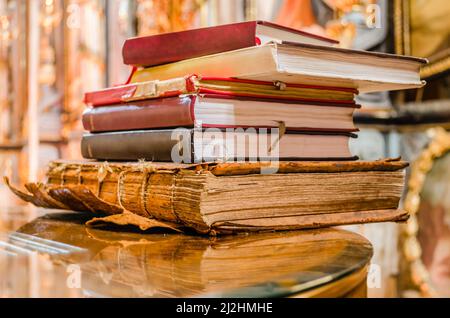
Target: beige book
[{"x": 300, "y": 63}]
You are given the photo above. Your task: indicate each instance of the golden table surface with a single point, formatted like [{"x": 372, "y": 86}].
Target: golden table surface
[{"x": 55, "y": 255}]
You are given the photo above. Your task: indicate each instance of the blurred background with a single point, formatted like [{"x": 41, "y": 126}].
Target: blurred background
[{"x": 52, "y": 51}]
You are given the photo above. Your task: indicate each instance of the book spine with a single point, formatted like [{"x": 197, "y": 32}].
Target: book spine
[
  {"x": 140, "y": 91},
  {"x": 155, "y": 145},
  {"x": 109, "y": 96},
  {"x": 173, "y": 47},
  {"x": 149, "y": 114}
]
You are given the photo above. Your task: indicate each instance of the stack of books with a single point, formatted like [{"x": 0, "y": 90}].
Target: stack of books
[
  {"x": 252, "y": 91},
  {"x": 224, "y": 119},
  {"x": 236, "y": 128}
]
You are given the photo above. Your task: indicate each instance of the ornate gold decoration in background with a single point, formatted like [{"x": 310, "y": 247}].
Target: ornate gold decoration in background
[
  {"x": 13, "y": 83},
  {"x": 401, "y": 27},
  {"x": 345, "y": 31},
  {"x": 51, "y": 16},
  {"x": 155, "y": 16},
  {"x": 84, "y": 63},
  {"x": 408, "y": 41},
  {"x": 7, "y": 34},
  {"x": 411, "y": 249},
  {"x": 251, "y": 10},
  {"x": 437, "y": 67}
]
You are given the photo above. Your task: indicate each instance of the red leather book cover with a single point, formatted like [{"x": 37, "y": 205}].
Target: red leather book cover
[
  {"x": 178, "y": 46},
  {"x": 168, "y": 113},
  {"x": 120, "y": 94},
  {"x": 148, "y": 114},
  {"x": 128, "y": 93},
  {"x": 109, "y": 96}
]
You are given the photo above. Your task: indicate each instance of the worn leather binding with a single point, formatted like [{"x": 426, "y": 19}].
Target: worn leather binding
[
  {"x": 225, "y": 88},
  {"x": 157, "y": 195}
]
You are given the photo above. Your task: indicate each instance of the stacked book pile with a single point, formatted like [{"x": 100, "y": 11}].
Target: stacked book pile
[
  {"x": 234, "y": 128},
  {"x": 224, "y": 119},
  {"x": 260, "y": 91}
]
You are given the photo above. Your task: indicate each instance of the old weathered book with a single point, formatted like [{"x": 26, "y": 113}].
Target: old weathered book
[
  {"x": 225, "y": 198},
  {"x": 300, "y": 63}
]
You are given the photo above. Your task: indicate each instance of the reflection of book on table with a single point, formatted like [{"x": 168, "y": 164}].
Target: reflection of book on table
[
  {"x": 129, "y": 264},
  {"x": 188, "y": 266}
]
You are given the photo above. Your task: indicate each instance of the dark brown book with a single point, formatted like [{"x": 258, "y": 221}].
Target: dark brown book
[{"x": 195, "y": 145}]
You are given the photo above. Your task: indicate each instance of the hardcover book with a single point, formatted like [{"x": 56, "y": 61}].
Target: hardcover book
[
  {"x": 230, "y": 87},
  {"x": 225, "y": 198},
  {"x": 300, "y": 63},
  {"x": 211, "y": 145},
  {"x": 177, "y": 46},
  {"x": 220, "y": 111}
]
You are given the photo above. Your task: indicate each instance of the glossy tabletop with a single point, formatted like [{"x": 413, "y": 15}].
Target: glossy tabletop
[{"x": 55, "y": 255}]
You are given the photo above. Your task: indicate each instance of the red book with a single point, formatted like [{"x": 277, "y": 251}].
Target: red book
[
  {"x": 220, "y": 111},
  {"x": 178, "y": 46},
  {"x": 220, "y": 86},
  {"x": 139, "y": 91}
]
